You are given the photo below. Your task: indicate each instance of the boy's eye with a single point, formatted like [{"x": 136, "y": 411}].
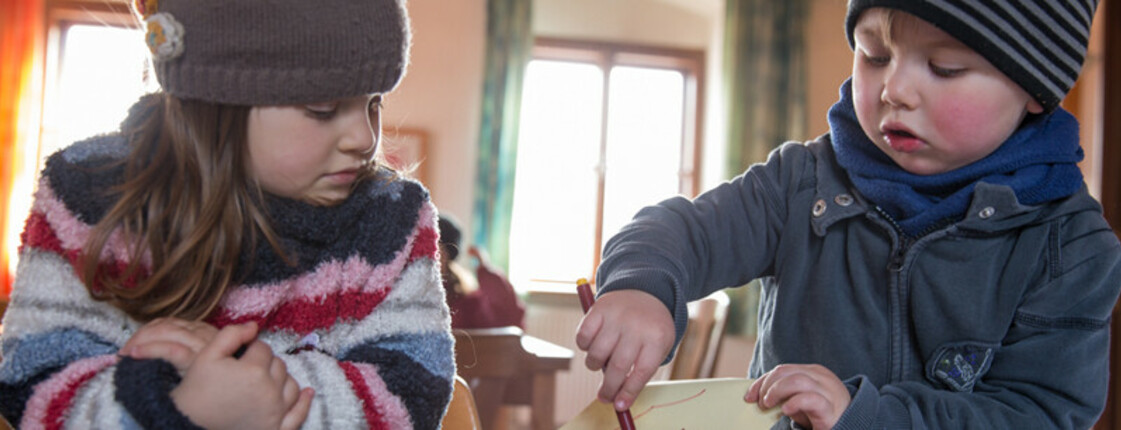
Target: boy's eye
[
  {"x": 876, "y": 61},
  {"x": 945, "y": 72}
]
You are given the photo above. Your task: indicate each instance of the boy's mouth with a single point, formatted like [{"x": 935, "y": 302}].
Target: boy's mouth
[
  {"x": 900, "y": 133},
  {"x": 901, "y": 140}
]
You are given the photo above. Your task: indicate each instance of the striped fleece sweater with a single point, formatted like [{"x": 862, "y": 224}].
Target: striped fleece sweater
[{"x": 361, "y": 317}]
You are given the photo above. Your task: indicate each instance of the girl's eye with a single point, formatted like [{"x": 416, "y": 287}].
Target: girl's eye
[
  {"x": 374, "y": 105},
  {"x": 945, "y": 72},
  {"x": 321, "y": 112}
]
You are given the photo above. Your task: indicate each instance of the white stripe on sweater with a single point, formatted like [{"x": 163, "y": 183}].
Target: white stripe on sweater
[
  {"x": 47, "y": 296},
  {"x": 334, "y": 397}
]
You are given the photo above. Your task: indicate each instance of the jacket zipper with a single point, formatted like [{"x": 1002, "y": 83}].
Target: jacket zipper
[{"x": 897, "y": 304}]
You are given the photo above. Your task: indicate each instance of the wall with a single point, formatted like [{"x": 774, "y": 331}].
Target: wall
[
  {"x": 829, "y": 61},
  {"x": 441, "y": 94},
  {"x": 442, "y": 91}
]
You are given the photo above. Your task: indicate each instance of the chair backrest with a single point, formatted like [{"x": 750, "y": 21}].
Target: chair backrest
[
  {"x": 700, "y": 345},
  {"x": 462, "y": 413}
]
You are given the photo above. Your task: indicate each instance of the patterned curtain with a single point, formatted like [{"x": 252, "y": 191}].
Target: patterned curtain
[
  {"x": 765, "y": 92},
  {"x": 509, "y": 41},
  {"x": 21, "y": 49}
]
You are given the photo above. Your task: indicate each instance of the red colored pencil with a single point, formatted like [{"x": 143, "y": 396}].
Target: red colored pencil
[{"x": 626, "y": 422}]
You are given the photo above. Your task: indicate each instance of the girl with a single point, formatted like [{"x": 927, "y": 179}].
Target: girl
[{"x": 235, "y": 240}]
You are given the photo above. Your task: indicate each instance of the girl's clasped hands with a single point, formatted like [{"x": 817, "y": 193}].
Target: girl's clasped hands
[{"x": 221, "y": 389}]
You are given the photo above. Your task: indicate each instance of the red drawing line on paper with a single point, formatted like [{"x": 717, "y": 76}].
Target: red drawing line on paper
[{"x": 666, "y": 405}]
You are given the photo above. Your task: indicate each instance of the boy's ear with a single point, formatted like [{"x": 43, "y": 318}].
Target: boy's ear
[{"x": 1034, "y": 107}]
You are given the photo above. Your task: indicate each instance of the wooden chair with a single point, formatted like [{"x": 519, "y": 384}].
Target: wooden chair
[
  {"x": 505, "y": 366},
  {"x": 700, "y": 345},
  {"x": 462, "y": 412}
]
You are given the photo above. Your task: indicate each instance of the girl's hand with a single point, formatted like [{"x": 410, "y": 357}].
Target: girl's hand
[
  {"x": 626, "y": 333},
  {"x": 175, "y": 340},
  {"x": 255, "y": 391},
  {"x": 810, "y": 394}
]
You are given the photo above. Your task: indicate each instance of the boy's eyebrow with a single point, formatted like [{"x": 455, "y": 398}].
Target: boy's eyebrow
[{"x": 869, "y": 30}]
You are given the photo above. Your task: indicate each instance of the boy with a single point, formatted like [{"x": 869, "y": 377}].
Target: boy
[{"x": 935, "y": 261}]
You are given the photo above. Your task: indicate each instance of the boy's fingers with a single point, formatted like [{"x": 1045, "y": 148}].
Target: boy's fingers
[
  {"x": 299, "y": 412},
  {"x": 588, "y": 330},
  {"x": 752, "y": 395},
  {"x": 615, "y": 371},
  {"x": 809, "y": 410},
  {"x": 644, "y": 368},
  {"x": 600, "y": 352}
]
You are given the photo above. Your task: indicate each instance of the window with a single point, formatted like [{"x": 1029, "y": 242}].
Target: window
[
  {"x": 99, "y": 67},
  {"x": 96, "y": 65},
  {"x": 604, "y": 130}
]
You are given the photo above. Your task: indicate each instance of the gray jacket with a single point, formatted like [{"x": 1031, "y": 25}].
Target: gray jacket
[{"x": 997, "y": 321}]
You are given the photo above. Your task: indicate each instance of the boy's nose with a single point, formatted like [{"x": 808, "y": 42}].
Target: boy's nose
[{"x": 899, "y": 90}]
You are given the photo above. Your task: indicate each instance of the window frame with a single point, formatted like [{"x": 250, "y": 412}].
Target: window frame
[{"x": 606, "y": 55}]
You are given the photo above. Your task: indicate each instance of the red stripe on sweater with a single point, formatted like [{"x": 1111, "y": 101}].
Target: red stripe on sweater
[
  {"x": 373, "y": 416},
  {"x": 425, "y": 244},
  {"x": 56, "y": 410},
  {"x": 37, "y": 233},
  {"x": 306, "y": 316}
]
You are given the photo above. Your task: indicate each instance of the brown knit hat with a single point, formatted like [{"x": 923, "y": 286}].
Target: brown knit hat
[{"x": 270, "y": 52}]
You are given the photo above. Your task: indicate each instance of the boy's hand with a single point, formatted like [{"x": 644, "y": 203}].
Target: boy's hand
[
  {"x": 810, "y": 394},
  {"x": 626, "y": 333},
  {"x": 175, "y": 340},
  {"x": 251, "y": 392}
]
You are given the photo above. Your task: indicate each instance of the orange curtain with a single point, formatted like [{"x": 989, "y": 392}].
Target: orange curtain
[{"x": 21, "y": 51}]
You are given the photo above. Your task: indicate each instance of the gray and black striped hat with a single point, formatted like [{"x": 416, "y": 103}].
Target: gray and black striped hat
[{"x": 1039, "y": 44}]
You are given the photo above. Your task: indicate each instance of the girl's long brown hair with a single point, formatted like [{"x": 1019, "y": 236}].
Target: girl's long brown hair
[{"x": 186, "y": 204}]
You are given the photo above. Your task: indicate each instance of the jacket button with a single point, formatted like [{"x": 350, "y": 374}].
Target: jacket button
[
  {"x": 843, "y": 200},
  {"x": 819, "y": 208},
  {"x": 987, "y": 212}
]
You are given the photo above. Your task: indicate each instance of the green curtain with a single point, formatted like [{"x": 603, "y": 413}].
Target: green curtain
[
  {"x": 509, "y": 41},
  {"x": 765, "y": 91}
]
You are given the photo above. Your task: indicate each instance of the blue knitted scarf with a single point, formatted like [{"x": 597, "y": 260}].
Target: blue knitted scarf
[{"x": 1038, "y": 162}]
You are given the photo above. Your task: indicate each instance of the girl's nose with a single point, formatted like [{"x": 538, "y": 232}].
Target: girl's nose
[
  {"x": 899, "y": 88},
  {"x": 362, "y": 135}
]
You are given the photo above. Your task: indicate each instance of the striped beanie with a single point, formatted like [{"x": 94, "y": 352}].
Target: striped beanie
[
  {"x": 1039, "y": 44},
  {"x": 271, "y": 52}
]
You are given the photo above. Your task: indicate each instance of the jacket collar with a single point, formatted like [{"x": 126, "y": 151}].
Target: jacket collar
[{"x": 992, "y": 208}]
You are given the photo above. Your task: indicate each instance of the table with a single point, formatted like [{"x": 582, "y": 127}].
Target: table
[{"x": 505, "y": 366}]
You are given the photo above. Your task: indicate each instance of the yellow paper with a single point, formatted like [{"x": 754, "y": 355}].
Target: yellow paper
[{"x": 688, "y": 404}]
